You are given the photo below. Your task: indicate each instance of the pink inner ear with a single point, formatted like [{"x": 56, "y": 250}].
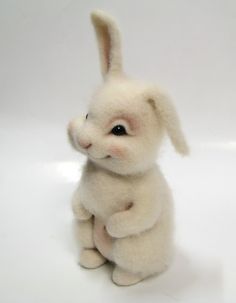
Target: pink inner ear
[{"x": 106, "y": 46}]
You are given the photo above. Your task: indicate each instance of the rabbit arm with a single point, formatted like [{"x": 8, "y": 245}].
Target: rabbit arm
[
  {"x": 138, "y": 218},
  {"x": 79, "y": 211}
]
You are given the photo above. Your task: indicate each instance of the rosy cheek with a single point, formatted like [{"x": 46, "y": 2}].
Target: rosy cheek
[{"x": 117, "y": 151}]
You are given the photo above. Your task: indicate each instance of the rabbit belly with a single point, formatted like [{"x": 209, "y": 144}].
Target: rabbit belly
[{"x": 103, "y": 241}]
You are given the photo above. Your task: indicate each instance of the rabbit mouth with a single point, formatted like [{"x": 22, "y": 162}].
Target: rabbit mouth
[{"x": 101, "y": 158}]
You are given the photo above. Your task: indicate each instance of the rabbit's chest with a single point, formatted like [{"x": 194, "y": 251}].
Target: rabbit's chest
[{"x": 104, "y": 194}]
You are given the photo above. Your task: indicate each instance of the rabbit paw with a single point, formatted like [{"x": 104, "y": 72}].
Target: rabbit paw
[
  {"x": 115, "y": 228},
  {"x": 80, "y": 212},
  {"x": 123, "y": 278},
  {"x": 91, "y": 258}
]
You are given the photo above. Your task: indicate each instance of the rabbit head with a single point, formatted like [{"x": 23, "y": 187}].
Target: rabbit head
[{"x": 126, "y": 119}]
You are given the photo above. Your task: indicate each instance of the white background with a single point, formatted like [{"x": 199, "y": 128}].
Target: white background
[{"x": 48, "y": 69}]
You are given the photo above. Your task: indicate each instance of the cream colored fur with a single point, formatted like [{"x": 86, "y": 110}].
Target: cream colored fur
[{"x": 123, "y": 204}]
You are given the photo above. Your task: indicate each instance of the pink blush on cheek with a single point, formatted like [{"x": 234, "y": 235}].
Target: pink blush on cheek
[{"x": 117, "y": 151}]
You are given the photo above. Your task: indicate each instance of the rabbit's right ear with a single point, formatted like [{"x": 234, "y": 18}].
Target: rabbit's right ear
[
  {"x": 108, "y": 37},
  {"x": 166, "y": 111}
]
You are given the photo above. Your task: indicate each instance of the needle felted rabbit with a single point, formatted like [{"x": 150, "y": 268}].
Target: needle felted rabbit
[{"x": 123, "y": 204}]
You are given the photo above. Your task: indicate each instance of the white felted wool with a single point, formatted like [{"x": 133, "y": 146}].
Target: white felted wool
[{"x": 123, "y": 204}]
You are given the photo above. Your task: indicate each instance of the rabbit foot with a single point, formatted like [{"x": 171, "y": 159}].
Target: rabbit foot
[
  {"x": 91, "y": 258},
  {"x": 124, "y": 278}
]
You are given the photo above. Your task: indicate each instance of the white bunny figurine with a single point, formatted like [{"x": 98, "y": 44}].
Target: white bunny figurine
[{"x": 123, "y": 204}]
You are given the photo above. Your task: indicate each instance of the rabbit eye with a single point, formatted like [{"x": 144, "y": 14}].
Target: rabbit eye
[{"x": 119, "y": 130}]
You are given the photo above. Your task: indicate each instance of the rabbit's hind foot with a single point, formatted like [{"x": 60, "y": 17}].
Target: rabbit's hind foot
[
  {"x": 124, "y": 278},
  {"x": 91, "y": 258}
]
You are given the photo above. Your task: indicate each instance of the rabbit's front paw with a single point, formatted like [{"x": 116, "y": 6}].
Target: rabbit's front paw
[
  {"x": 80, "y": 212},
  {"x": 115, "y": 227}
]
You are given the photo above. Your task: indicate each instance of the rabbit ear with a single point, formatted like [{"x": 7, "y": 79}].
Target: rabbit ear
[
  {"x": 109, "y": 43},
  {"x": 169, "y": 118}
]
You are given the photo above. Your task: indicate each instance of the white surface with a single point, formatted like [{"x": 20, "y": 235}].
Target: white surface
[{"x": 49, "y": 66}]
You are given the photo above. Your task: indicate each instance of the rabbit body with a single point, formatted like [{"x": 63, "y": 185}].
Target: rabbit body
[
  {"x": 137, "y": 214},
  {"x": 123, "y": 204}
]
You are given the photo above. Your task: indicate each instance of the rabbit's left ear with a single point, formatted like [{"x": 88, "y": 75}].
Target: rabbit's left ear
[
  {"x": 109, "y": 43},
  {"x": 166, "y": 112}
]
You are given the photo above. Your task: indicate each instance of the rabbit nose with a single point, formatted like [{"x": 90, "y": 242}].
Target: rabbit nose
[{"x": 85, "y": 145}]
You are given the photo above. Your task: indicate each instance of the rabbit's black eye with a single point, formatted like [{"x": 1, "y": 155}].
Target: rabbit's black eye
[
  {"x": 86, "y": 116},
  {"x": 119, "y": 130}
]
